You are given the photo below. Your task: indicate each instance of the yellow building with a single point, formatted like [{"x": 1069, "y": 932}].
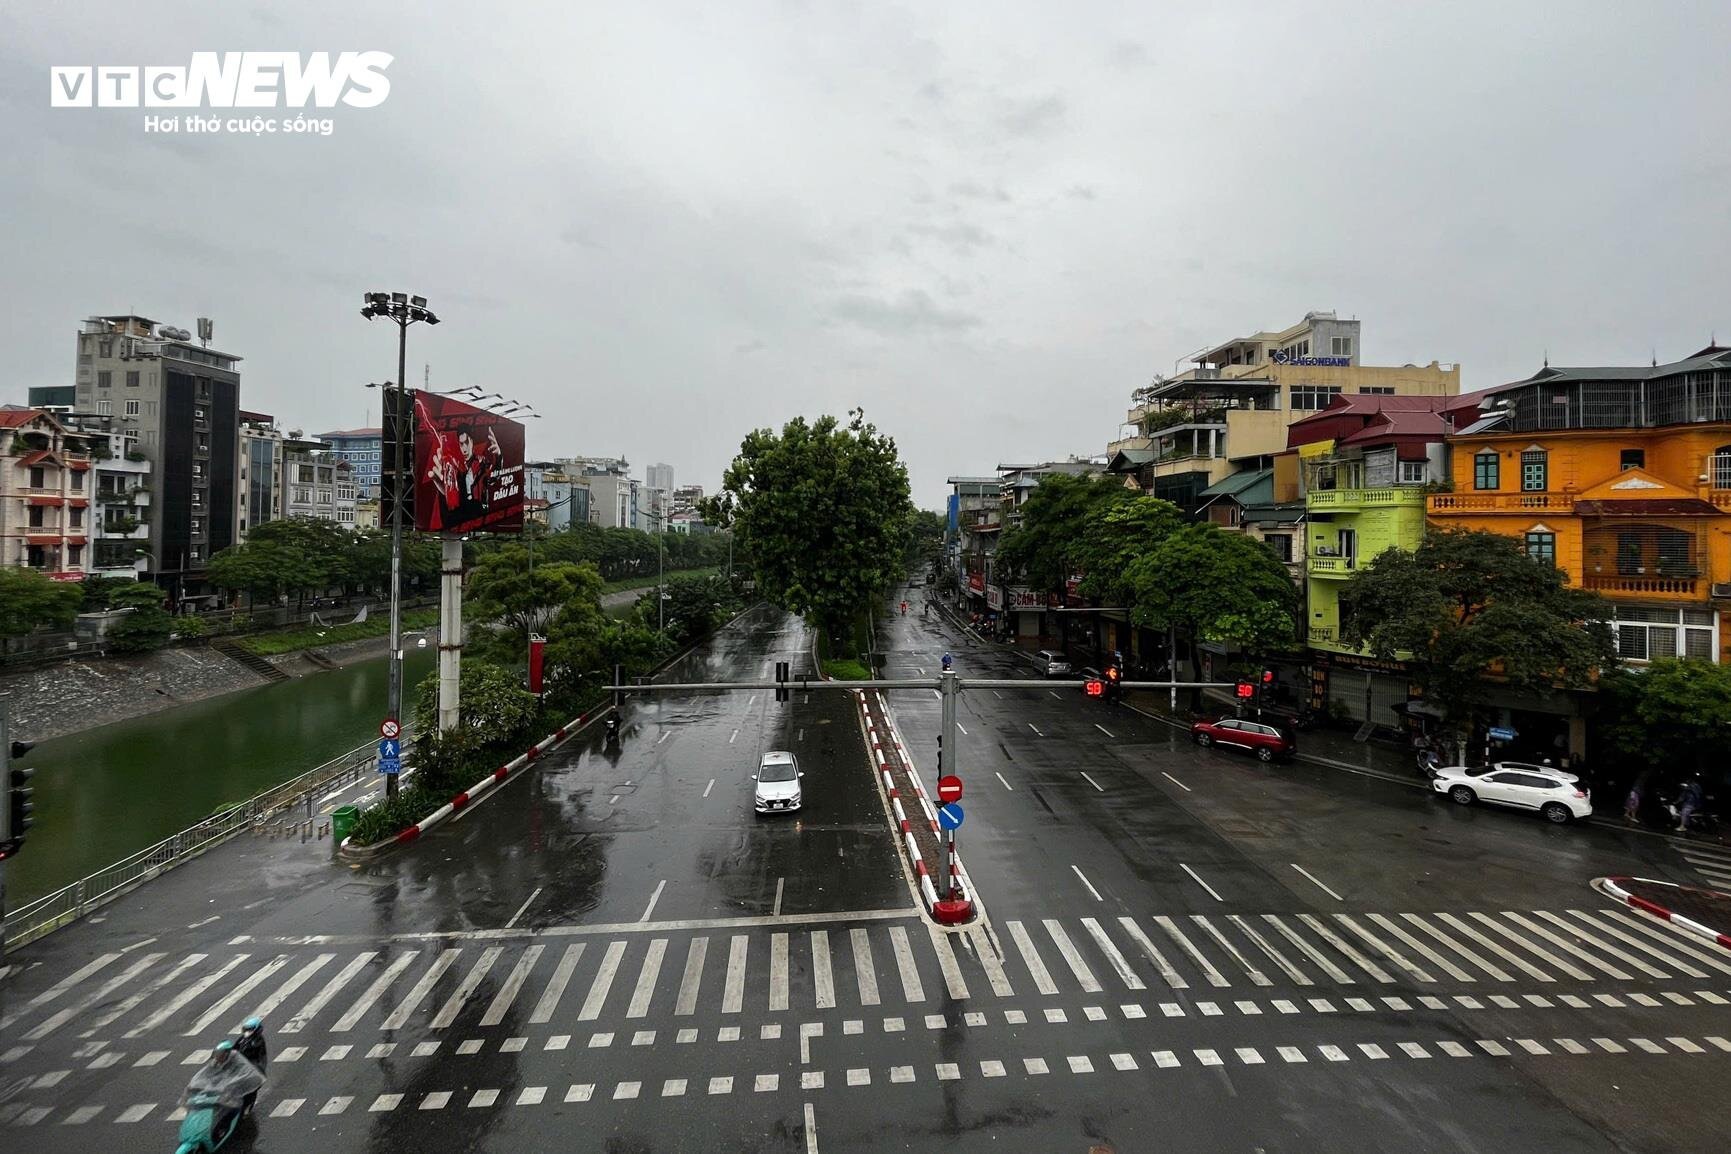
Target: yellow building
[
  {"x": 1229, "y": 412},
  {"x": 1622, "y": 477}
]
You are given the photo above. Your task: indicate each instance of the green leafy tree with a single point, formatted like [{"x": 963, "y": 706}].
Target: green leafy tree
[
  {"x": 1116, "y": 533},
  {"x": 324, "y": 545},
  {"x": 693, "y": 607},
  {"x": 493, "y": 708},
  {"x": 1672, "y": 713},
  {"x": 1476, "y": 614},
  {"x": 1217, "y": 586},
  {"x": 1047, "y": 547},
  {"x": 925, "y": 539},
  {"x": 99, "y": 590},
  {"x": 263, "y": 569},
  {"x": 822, "y": 510},
  {"x": 30, "y": 601},
  {"x": 502, "y": 589}
]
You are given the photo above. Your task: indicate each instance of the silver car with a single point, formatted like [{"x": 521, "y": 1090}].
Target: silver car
[{"x": 777, "y": 779}]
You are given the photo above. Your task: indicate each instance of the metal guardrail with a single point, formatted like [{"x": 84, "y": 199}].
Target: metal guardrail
[{"x": 64, "y": 906}]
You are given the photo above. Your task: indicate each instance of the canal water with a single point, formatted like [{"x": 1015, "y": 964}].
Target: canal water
[{"x": 109, "y": 792}]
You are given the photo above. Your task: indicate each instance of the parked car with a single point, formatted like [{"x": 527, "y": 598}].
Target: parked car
[
  {"x": 777, "y": 779},
  {"x": 1517, "y": 784},
  {"x": 1051, "y": 662},
  {"x": 1265, "y": 741}
]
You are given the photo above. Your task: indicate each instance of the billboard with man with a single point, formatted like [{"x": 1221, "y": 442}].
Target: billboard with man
[{"x": 468, "y": 468}]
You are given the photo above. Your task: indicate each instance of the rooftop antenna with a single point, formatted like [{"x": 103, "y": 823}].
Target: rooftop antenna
[
  {"x": 1547, "y": 358},
  {"x": 426, "y": 376},
  {"x": 1655, "y": 356}
]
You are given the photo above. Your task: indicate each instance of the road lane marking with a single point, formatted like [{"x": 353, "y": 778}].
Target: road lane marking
[
  {"x": 205, "y": 922},
  {"x": 646, "y": 978},
  {"x": 997, "y": 695},
  {"x": 597, "y": 996},
  {"x": 653, "y": 898},
  {"x": 526, "y": 901},
  {"x": 731, "y": 740},
  {"x": 801, "y": 736},
  {"x": 1568, "y": 968},
  {"x": 1256, "y": 976},
  {"x": 513, "y": 985},
  {"x": 374, "y": 992},
  {"x": 1176, "y": 782},
  {"x": 751, "y": 701},
  {"x": 937, "y": 695},
  {"x": 1119, "y": 963},
  {"x": 49, "y": 1025},
  {"x": 269, "y": 1006},
  {"x": 1072, "y": 955},
  {"x": 963, "y": 728},
  {"x": 778, "y": 972},
  {"x": 953, "y": 980},
  {"x": 709, "y": 787},
  {"x": 466, "y": 989},
  {"x": 183, "y": 998},
  {"x": 1031, "y": 958},
  {"x": 822, "y": 979},
  {"x": 1345, "y": 947},
  {"x": 1563, "y": 944},
  {"x": 775, "y": 911},
  {"x": 1459, "y": 948},
  {"x": 1267, "y": 947},
  {"x": 1315, "y": 882},
  {"x": 865, "y": 971},
  {"x": 733, "y": 992},
  {"x": 1007, "y": 785},
  {"x": 1309, "y": 951},
  {"x": 1652, "y": 951},
  {"x": 1036, "y": 729},
  {"x": 556, "y": 985},
  {"x": 1167, "y": 973},
  {"x": 399, "y": 1017},
  {"x": 665, "y": 734},
  {"x": 1200, "y": 882},
  {"x": 1088, "y": 883},
  {"x": 133, "y": 1000},
  {"x": 1092, "y": 782},
  {"x": 1437, "y": 959},
  {"x": 1506, "y": 955},
  {"x": 686, "y": 1002},
  {"x": 810, "y": 1129},
  {"x": 1214, "y": 976},
  {"x": 1384, "y": 948},
  {"x": 331, "y": 989},
  {"x": 912, "y": 988},
  {"x": 1104, "y": 730}
]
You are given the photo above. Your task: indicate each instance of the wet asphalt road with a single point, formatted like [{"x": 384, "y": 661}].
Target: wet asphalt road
[{"x": 594, "y": 959}]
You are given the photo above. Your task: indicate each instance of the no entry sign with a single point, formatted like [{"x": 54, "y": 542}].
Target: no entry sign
[{"x": 949, "y": 788}]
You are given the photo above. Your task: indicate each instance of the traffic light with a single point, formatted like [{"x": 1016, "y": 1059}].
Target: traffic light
[
  {"x": 1114, "y": 681},
  {"x": 1094, "y": 687},
  {"x": 18, "y": 792},
  {"x": 781, "y": 691},
  {"x": 1264, "y": 688}
]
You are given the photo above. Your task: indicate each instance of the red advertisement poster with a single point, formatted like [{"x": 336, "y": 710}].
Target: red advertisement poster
[{"x": 468, "y": 468}]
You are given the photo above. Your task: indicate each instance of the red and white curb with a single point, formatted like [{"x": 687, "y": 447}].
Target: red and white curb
[
  {"x": 474, "y": 793},
  {"x": 928, "y": 815},
  {"x": 1689, "y": 925}
]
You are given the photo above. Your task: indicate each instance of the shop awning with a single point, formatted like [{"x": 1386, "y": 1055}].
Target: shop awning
[{"x": 44, "y": 501}]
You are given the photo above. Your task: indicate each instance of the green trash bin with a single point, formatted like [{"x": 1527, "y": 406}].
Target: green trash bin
[{"x": 343, "y": 820}]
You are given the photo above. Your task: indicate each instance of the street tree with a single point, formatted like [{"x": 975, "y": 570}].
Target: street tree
[
  {"x": 1116, "y": 533},
  {"x": 29, "y": 601},
  {"x": 822, "y": 510},
  {"x": 1672, "y": 713},
  {"x": 925, "y": 539},
  {"x": 1473, "y": 615},
  {"x": 1047, "y": 547},
  {"x": 503, "y": 590},
  {"x": 263, "y": 569},
  {"x": 1217, "y": 586},
  {"x": 148, "y": 625}
]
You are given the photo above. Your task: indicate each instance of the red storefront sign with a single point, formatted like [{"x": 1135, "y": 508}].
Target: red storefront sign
[{"x": 977, "y": 582}]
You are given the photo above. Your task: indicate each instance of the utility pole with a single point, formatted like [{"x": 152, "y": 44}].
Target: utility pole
[
  {"x": 404, "y": 310},
  {"x": 660, "y": 585}
]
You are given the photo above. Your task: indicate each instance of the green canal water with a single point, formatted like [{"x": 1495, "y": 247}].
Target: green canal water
[{"x": 109, "y": 792}]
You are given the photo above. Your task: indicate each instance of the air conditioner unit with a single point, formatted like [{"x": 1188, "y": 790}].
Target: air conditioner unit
[{"x": 1722, "y": 589}]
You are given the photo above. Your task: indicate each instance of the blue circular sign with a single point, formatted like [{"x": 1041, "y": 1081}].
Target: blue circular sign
[{"x": 950, "y": 816}]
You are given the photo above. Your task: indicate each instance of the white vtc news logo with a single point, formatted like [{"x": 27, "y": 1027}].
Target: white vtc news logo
[{"x": 228, "y": 80}]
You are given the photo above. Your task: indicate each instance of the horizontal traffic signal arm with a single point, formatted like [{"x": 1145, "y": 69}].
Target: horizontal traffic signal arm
[{"x": 910, "y": 683}]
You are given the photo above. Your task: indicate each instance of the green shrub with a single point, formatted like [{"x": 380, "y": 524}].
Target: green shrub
[{"x": 846, "y": 669}]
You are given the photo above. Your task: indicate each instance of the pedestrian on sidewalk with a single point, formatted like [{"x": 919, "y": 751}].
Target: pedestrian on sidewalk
[{"x": 1688, "y": 803}]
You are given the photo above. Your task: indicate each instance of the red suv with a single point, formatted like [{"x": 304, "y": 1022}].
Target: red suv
[{"x": 1265, "y": 741}]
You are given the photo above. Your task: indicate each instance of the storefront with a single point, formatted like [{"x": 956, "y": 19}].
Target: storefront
[{"x": 1361, "y": 688}]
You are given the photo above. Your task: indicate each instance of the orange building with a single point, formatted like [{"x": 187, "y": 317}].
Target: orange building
[{"x": 1622, "y": 477}]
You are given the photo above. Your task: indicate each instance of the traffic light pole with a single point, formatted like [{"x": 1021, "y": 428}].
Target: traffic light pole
[{"x": 5, "y": 811}]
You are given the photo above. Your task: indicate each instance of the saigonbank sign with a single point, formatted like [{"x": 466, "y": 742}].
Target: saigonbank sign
[{"x": 250, "y": 82}]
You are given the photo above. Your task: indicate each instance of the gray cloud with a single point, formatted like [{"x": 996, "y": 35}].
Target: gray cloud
[{"x": 913, "y": 313}]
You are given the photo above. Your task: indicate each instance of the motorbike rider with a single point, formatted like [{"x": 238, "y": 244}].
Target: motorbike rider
[
  {"x": 613, "y": 727},
  {"x": 224, "y": 1084},
  {"x": 249, "y": 1043}
]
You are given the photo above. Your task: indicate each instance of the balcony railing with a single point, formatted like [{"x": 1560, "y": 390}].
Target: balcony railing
[
  {"x": 1338, "y": 566},
  {"x": 1665, "y": 586},
  {"x": 1322, "y": 634},
  {"x": 1361, "y": 498},
  {"x": 1500, "y": 502}
]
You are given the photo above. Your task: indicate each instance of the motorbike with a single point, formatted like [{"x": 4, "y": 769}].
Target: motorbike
[
  {"x": 613, "y": 729},
  {"x": 216, "y": 1100},
  {"x": 249, "y": 1043},
  {"x": 1700, "y": 821}
]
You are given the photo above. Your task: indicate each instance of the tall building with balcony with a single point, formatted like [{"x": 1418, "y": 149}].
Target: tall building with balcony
[
  {"x": 1621, "y": 477},
  {"x": 45, "y": 490},
  {"x": 1365, "y": 465},
  {"x": 1228, "y": 412},
  {"x": 120, "y": 519},
  {"x": 260, "y": 481},
  {"x": 316, "y": 482},
  {"x": 180, "y": 400},
  {"x": 363, "y": 449}
]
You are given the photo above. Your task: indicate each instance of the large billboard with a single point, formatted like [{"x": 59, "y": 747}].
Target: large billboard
[{"x": 468, "y": 468}]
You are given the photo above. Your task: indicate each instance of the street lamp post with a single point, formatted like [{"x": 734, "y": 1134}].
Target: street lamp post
[{"x": 404, "y": 310}]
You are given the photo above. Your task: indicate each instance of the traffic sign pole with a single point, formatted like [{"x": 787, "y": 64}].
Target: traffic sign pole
[{"x": 949, "y": 693}]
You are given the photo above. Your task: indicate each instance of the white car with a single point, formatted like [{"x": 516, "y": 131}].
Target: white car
[
  {"x": 1519, "y": 784},
  {"x": 777, "y": 780}
]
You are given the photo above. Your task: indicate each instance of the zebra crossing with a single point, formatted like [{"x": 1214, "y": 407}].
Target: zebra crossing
[
  {"x": 437, "y": 985},
  {"x": 1711, "y": 862}
]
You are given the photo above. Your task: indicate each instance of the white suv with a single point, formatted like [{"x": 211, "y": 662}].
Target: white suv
[
  {"x": 1519, "y": 784},
  {"x": 777, "y": 780}
]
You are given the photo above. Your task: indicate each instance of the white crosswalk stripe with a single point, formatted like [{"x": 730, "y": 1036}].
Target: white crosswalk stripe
[
  {"x": 124, "y": 979},
  {"x": 513, "y": 984},
  {"x": 822, "y": 978},
  {"x": 1459, "y": 949},
  {"x": 1660, "y": 932},
  {"x": 597, "y": 996},
  {"x": 60, "y": 988},
  {"x": 865, "y": 972},
  {"x": 1152, "y": 952},
  {"x": 986, "y": 952},
  {"x": 1423, "y": 950},
  {"x": 1256, "y": 976},
  {"x": 1540, "y": 952},
  {"x": 1634, "y": 942},
  {"x": 358, "y": 1009},
  {"x": 1315, "y": 955},
  {"x": 399, "y": 1017},
  {"x": 284, "y": 992},
  {"x": 323, "y": 998},
  {"x": 550, "y": 997},
  {"x": 1599, "y": 943},
  {"x": 1120, "y": 964},
  {"x": 646, "y": 978},
  {"x": 185, "y": 997},
  {"x": 230, "y": 1000},
  {"x": 685, "y": 1002},
  {"x": 1514, "y": 959},
  {"x": 1072, "y": 958},
  {"x": 1263, "y": 944},
  {"x": 1564, "y": 944},
  {"x": 1383, "y": 948},
  {"x": 912, "y": 989},
  {"x": 1341, "y": 945},
  {"x": 1214, "y": 976},
  {"x": 1031, "y": 958}
]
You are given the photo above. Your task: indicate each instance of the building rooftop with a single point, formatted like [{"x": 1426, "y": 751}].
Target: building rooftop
[{"x": 354, "y": 433}]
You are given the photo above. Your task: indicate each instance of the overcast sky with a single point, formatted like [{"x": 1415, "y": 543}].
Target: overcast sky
[{"x": 664, "y": 225}]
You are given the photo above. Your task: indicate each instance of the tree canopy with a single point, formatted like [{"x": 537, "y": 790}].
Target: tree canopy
[
  {"x": 823, "y": 511},
  {"x": 1048, "y": 545},
  {"x": 1116, "y": 533},
  {"x": 1468, "y": 604},
  {"x": 30, "y": 600},
  {"x": 1222, "y": 587}
]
